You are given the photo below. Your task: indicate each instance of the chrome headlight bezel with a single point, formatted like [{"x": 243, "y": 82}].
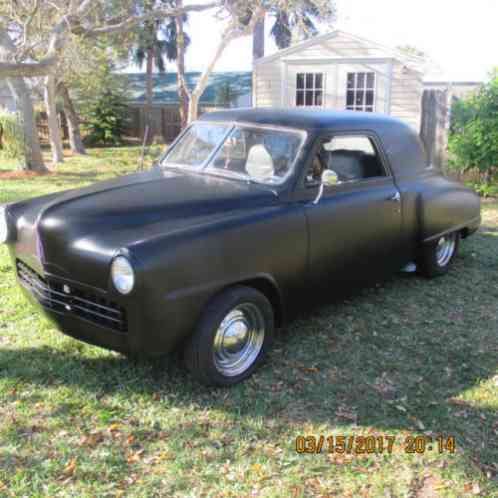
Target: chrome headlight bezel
[
  {"x": 4, "y": 225},
  {"x": 122, "y": 275}
]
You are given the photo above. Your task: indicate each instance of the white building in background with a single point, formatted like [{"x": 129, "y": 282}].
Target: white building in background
[{"x": 341, "y": 71}]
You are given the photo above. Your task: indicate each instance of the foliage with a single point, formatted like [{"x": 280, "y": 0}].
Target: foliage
[
  {"x": 165, "y": 48},
  {"x": 484, "y": 189},
  {"x": 462, "y": 111},
  {"x": 298, "y": 20},
  {"x": 474, "y": 140},
  {"x": 226, "y": 95},
  {"x": 12, "y": 136},
  {"x": 105, "y": 118}
]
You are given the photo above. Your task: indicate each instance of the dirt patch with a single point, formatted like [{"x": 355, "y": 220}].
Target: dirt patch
[
  {"x": 16, "y": 175},
  {"x": 429, "y": 488}
]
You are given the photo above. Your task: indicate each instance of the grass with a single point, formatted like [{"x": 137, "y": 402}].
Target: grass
[{"x": 405, "y": 358}]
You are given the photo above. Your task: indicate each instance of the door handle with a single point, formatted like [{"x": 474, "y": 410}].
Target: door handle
[{"x": 395, "y": 197}]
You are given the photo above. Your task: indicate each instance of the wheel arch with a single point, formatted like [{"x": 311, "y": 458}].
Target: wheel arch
[{"x": 269, "y": 288}]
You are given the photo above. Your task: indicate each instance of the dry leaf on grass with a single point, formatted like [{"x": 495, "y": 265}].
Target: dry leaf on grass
[
  {"x": 135, "y": 457},
  {"x": 70, "y": 468}
]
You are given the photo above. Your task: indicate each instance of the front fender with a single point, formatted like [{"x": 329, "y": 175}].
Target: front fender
[{"x": 182, "y": 271}]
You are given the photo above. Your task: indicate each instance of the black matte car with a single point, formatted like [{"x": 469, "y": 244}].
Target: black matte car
[{"x": 248, "y": 212}]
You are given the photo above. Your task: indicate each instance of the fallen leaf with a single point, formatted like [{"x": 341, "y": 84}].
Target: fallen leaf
[
  {"x": 70, "y": 467},
  {"x": 92, "y": 439},
  {"x": 135, "y": 457},
  {"x": 309, "y": 369}
]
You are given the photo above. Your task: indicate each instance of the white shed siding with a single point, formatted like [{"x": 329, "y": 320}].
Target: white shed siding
[
  {"x": 267, "y": 85},
  {"x": 398, "y": 89},
  {"x": 406, "y": 95}
]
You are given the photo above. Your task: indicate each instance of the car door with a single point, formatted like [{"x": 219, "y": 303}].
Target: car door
[{"x": 354, "y": 226}]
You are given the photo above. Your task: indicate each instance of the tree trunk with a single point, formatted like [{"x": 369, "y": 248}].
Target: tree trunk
[
  {"x": 149, "y": 94},
  {"x": 193, "y": 108},
  {"x": 32, "y": 151},
  {"x": 54, "y": 131},
  {"x": 180, "y": 65},
  {"x": 231, "y": 32},
  {"x": 258, "y": 40},
  {"x": 73, "y": 121}
]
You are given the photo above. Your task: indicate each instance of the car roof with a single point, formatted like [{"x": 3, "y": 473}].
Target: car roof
[
  {"x": 401, "y": 142},
  {"x": 303, "y": 118}
]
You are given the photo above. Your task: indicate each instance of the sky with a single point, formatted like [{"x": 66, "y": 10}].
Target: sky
[{"x": 460, "y": 36}]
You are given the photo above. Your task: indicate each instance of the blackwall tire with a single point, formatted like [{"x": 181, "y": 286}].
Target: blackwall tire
[
  {"x": 232, "y": 338},
  {"x": 436, "y": 257}
]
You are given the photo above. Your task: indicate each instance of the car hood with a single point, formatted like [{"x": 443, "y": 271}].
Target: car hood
[{"x": 91, "y": 224}]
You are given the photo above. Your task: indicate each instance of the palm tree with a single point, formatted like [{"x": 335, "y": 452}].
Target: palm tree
[
  {"x": 303, "y": 20},
  {"x": 154, "y": 52}
]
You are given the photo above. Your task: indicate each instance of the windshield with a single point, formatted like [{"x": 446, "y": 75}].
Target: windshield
[
  {"x": 197, "y": 144},
  {"x": 264, "y": 155}
]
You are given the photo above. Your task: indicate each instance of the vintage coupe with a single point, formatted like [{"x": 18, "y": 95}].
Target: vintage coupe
[{"x": 248, "y": 212}]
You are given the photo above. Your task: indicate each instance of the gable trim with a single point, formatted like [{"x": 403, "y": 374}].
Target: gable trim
[
  {"x": 339, "y": 60},
  {"x": 390, "y": 53}
]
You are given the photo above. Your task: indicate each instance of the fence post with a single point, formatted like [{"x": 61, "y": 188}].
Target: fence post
[{"x": 434, "y": 126}]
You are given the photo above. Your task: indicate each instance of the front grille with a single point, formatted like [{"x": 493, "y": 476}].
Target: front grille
[{"x": 83, "y": 304}]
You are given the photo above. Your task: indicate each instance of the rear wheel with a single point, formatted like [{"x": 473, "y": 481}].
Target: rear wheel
[
  {"x": 435, "y": 258},
  {"x": 232, "y": 337}
]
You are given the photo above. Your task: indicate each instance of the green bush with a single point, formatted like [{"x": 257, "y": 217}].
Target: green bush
[
  {"x": 473, "y": 142},
  {"x": 12, "y": 136},
  {"x": 105, "y": 118}
]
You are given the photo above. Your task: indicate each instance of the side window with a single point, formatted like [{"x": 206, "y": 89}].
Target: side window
[{"x": 352, "y": 158}]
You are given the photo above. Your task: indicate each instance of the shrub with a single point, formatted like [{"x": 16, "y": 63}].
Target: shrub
[
  {"x": 474, "y": 138},
  {"x": 12, "y": 136},
  {"x": 105, "y": 118}
]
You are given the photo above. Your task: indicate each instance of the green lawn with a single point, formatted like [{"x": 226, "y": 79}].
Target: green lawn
[{"x": 407, "y": 358}]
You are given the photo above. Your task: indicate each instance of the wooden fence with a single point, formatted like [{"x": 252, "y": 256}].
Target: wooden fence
[
  {"x": 42, "y": 125},
  {"x": 434, "y": 126},
  {"x": 165, "y": 122}
]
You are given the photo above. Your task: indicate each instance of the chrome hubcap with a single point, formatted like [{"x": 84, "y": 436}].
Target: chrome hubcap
[
  {"x": 239, "y": 339},
  {"x": 445, "y": 249}
]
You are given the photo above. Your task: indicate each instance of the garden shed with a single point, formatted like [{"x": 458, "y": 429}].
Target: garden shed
[{"x": 341, "y": 71}]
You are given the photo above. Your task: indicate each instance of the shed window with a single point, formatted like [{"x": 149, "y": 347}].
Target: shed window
[
  {"x": 360, "y": 92},
  {"x": 309, "y": 89}
]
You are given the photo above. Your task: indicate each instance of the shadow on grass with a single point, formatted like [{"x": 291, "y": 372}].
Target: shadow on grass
[{"x": 394, "y": 357}]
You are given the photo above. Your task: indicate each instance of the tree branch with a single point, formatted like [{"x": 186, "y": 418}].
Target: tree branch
[
  {"x": 27, "y": 69},
  {"x": 134, "y": 20},
  {"x": 72, "y": 22}
]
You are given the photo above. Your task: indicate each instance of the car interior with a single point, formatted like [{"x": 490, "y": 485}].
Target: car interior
[{"x": 354, "y": 161}]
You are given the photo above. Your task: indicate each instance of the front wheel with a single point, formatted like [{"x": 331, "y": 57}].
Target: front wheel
[
  {"x": 435, "y": 258},
  {"x": 233, "y": 336}
]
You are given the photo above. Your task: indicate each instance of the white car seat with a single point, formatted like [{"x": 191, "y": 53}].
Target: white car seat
[{"x": 259, "y": 164}]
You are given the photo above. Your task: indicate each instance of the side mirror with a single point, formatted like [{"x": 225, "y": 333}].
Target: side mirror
[{"x": 329, "y": 178}]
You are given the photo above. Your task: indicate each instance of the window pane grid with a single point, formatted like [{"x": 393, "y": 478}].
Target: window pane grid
[
  {"x": 360, "y": 91},
  {"x": 309, "y": 89}
]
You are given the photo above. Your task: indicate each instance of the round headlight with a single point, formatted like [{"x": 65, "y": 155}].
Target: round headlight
[
  {"x": 123, "y": 276},
  {"x": 4, "y": 229}
]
